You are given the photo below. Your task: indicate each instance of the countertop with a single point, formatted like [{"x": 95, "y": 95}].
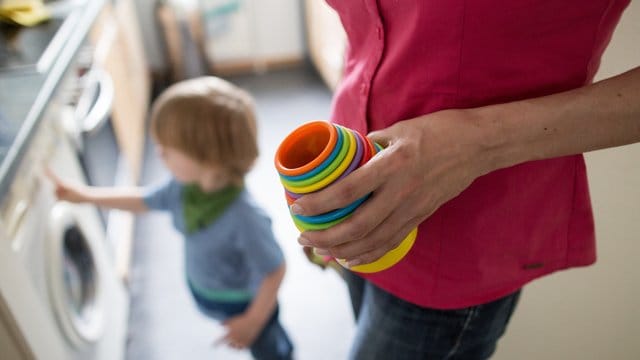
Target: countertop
[{"x": 24, "y": 94}]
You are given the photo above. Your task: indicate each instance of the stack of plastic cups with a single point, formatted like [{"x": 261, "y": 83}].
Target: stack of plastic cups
[{"x": 314, "y": 156}]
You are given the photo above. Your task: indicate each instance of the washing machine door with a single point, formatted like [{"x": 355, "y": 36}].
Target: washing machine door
[{"x": 74, "y": 280}]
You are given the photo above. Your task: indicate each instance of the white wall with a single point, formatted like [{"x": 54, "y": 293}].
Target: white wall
[
  {"x": 257, "y": 31},
  {"x": 264, "y": 29},
  {"x": 592, "y": 313}
]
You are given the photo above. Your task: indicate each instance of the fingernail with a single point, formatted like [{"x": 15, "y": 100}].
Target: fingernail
[
  {"x": 354, "y": 262},
  {"x": 303, "y": 241},
  {"x": 296, "y": 209},
  {"x": 322, "y": 252}
]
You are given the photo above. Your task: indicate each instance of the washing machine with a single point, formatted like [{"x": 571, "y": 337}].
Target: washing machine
[{"x": 58, "y": 283}]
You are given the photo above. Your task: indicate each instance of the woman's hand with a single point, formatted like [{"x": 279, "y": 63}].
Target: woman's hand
[{"x": 426, "y": 162}]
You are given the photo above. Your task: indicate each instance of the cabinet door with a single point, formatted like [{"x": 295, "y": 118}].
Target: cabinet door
[
  {"x": 133, "y": 53},
  {"x": 12, "y": 343},
  {"x": 118, "y": 51}
]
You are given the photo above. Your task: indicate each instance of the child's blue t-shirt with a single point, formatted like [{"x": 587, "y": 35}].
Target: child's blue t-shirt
[{"x": 228, "y": 259}]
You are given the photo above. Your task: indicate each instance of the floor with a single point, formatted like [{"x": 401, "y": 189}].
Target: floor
[
  {"x": 164, "y": 323},
  {"x": 585, "y": 314}
]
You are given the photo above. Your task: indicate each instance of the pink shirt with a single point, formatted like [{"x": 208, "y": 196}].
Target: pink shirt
[{"x": 412, "y": 57}]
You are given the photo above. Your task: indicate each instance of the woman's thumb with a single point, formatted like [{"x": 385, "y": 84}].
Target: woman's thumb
[{"x": 382, "y": 137}]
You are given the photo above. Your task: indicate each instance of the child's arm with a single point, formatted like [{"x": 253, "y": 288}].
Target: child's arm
[
  {"x": 129, "y": 199},
  {"x": 243, "y": 329}
]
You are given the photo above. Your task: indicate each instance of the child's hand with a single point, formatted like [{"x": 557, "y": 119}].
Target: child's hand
[
  {"x": 315, "y": 258},
  {"x": 65, "y": 190},
  {"x": 322, "y": 261},
  {"x": 242, "y": 331}
]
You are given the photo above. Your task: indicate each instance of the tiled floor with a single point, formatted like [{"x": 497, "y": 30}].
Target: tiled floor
[{"x": 164, "y": 322}]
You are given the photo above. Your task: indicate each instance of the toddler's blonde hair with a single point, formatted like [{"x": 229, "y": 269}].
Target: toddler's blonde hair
[{"x": 210, "y": 120}]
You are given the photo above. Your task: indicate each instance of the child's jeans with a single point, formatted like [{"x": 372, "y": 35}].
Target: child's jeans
[
  {"x": 392, "y": 329},
  {"x": 272, "y": 343}
]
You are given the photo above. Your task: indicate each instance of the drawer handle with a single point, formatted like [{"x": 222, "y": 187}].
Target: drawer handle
[{"x": 96, "y": 101}]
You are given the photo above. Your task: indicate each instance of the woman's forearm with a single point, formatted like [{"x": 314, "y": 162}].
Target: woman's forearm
[{"x": 605, "y": 114}]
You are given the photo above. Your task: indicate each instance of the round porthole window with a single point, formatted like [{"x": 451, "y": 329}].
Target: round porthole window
[{"x": 73, "y": 278}]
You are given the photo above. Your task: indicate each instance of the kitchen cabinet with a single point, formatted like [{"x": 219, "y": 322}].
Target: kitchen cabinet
[
  {"x": 117, "y": 49},
  {"x": 12, "y": 345}
]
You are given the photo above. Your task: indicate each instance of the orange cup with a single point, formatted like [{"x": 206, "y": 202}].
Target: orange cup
[{"x": 305, "y": 148}]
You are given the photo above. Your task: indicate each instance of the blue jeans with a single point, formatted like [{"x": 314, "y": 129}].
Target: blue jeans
[
  {"x": 392, "y": 329},
  {"x": 272, "y": 343}
]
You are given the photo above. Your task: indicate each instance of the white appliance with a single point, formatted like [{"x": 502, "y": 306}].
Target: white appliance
[{"x": 58, "y": 285}]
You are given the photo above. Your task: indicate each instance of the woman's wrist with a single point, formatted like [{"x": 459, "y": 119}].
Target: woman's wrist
[
  {"x": 596, "y": 116},
  {"x": 486, "y": 139},
  {"x": 500, "y": 143}
]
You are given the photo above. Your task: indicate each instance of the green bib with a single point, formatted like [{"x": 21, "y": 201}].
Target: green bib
[{"x": 201, "y": 208}]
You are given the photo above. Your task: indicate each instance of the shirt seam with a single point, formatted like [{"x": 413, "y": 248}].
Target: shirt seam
[
  {"x": 571, "y": 215},
  {"x": 436, "y": 280},
  {"x": 374, "y": 72}
]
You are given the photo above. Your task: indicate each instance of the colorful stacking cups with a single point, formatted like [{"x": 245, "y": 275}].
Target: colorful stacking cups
[{"x": 314, "y": 156}]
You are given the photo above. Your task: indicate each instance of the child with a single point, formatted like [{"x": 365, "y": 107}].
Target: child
[{"x": 205, "y": 131}]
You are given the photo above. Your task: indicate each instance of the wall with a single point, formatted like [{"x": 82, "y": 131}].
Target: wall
[
  {"x": 252, "y": 34},
  {"x": 591, "y": 313},
  {"x": 261, "y": 31}
]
